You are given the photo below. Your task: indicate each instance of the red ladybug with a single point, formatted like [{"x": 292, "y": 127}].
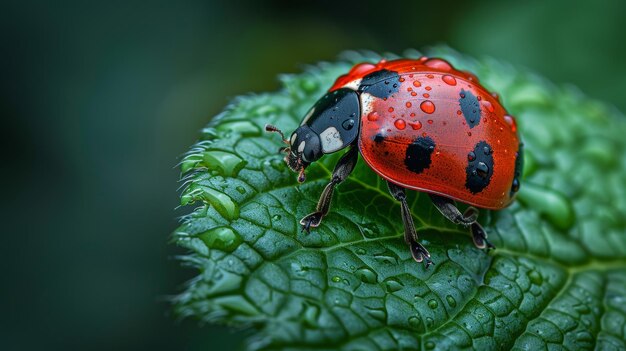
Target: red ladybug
[{"x": 421, "y": 125}]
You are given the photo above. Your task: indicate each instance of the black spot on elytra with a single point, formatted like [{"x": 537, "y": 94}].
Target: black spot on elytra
[
  {"x": 519, "y": 168},
  {"x": 479, "y": 169},
  {"x": 470, "y": 108},
  {"x": 379, "y": 138},
  {"x": 418, "y": 154},
  {"x": 381, "y": 83}
]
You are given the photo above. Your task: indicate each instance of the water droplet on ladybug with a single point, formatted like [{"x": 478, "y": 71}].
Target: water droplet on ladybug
[
  {"x": 430, "y": 121},
  {"x": 427, "y": 106},
  {"x": 487, "y": 150},
  {"x": 488, "y": 106},
  {"x": 412, "y": 114},
  {"x": 511, "y": 122},
  {"x": 458, "y": 112},
  {"x": 423, "y": 58},
  {"x": 401, "y": 79},
  {"x": 496, "y": 96},
  {"x": 400, "y": 124},
  {"x": 448, "y": 79},
  {"x": 428, "y": 88},
  {"x": 372, "y": 116},
  {"x": 438, "y": 64},
  {"x": 416, "y": 126},
  {"x": 426, "y": 95},
  {"x": 469, "y": 133},
  {"x": 408, "y": 104},
  {"x": 471, "y": 156},
  {"x": 413, "y": 93},
  {"x": 482, "y": 170},
  {"x": 416, "y": 83},
  {"x": 462, "y": 95},
  {"x": 479, "y": 97},
  {"x": 430, "y": 76},
  {"x": 348, "y": 124},
  {"x": 390, "y": 109}
]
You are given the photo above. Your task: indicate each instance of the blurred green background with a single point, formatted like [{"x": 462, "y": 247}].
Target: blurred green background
[{"x": 100, "y": 98}]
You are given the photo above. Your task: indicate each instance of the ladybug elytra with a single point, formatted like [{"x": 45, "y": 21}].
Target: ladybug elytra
[{"x": 420, "y": 125}]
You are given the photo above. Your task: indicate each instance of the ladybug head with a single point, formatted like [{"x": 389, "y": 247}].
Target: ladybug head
[
  {"x": 332, "y": 124},
  {"x": 303, "y": 148}
]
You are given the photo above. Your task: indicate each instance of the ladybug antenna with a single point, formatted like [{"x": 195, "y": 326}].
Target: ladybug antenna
[{"x": 271, "y": 128}]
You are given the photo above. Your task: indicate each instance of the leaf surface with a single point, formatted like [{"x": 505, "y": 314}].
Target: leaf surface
[{"x": 557, "y": 278}]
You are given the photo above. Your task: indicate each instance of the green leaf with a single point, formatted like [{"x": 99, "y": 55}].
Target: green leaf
[{"x": 556, "y": 280}]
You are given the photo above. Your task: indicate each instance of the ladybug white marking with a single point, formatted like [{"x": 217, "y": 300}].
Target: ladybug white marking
[{"x": 331, "y": 140}]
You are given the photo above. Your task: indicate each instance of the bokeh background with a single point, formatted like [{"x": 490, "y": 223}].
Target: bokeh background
[{"x": 100, "y": 98}]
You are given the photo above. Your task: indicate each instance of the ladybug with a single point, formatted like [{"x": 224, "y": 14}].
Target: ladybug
[{"x": 421, "y": 125}]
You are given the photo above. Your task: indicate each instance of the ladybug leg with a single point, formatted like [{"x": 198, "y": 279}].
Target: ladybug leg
[
  {"x": 418, "y": 251},
  {"x": 479, "y": 236},
  {"x": 342, "y": 170},
  {"x": 449, "y": 210}
]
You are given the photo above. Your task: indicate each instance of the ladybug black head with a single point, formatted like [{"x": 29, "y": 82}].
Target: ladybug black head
[
  {"x": 330, "y": 125},
  {"x": 304, "y": 148}
]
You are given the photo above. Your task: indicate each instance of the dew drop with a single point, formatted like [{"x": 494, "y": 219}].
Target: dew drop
[
  {"x": 240, "y": 189},
  {"x": 433, "y": 304},
  {"x": 429, "y": 322},
  {"x": 429, "y": 345},
  {"x": 451, "y": 301},
  {"x": 438, "y": 64},
  {"x": 372, "y": 116},
  {"x": 488, "y": 106},
  {"x": 430, "y": 76},
  {"x": 487, "y": 150},
  {"x": 458, "y": 112},
  {"x": 413, "y": 93},
  {"x": 482, "y": 170},
  {"x": 535, "y": 277},
  {"x": 401, "y": 79},
  {"x": 408, "y": 104},
  {"x": 393, "y": 285},
  {"x": 412, "y": 114},
  {"x": 276, "y": 217},
  {"x": 400, "y": 124},
  {"x": 462, "y": 95},
  {"x": 360, "y": 251},
  {"x": 448, "y": 79},
  {"x": 348, "y": 124},
  {"x": 511, "y": 122},
  {"x": 496, "y": 96},
  {"x": 336, "y": 279},
  {"x": 416, "y": 126},
  {"x": 471, "y": 156},
  {"x": 390, "y": 109},
  {"x": 366, "y": 275},
  {"x": 416, "y": 83},
  {"x": 427, "y": 106},
  {"x": 414, "y": 321},
  {"x": 428, "y": 88},
  {"x": 426, "y": 95},
  {"x": 430, "y": 121},
  {"x": 468, "y": 133}
]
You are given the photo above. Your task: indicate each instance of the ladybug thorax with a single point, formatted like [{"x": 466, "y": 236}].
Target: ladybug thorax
[{"x": 330, "y": 125}]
